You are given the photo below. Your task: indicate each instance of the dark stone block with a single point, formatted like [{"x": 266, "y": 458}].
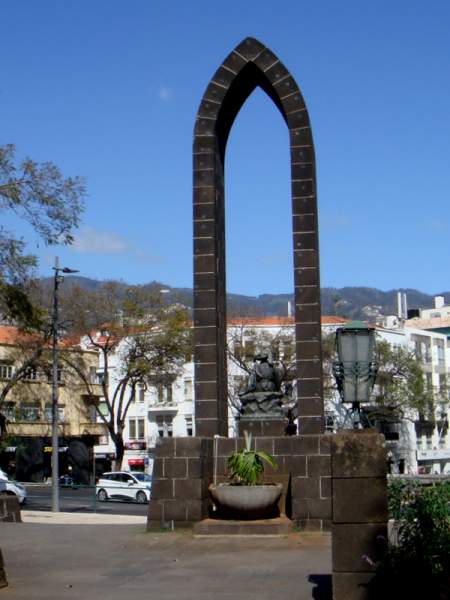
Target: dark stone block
[
  {"x": 305, "y": 241},
  {"x": 175, "y": 467},
  {"x": 205, "y": 371},
  {"x": 205, "y": 353},
  {"x": 223, "y": 77},
  {"x": 304, "y": 188},
  {"x": 292, "y": 103},
  {"x": 204, "y": 299},
  {"x": 358, "y": 454},
  {"x": 204, "y": 196},
  {"x": 226, "y": 446},
  {"x": 234, "y": 62},
  {"x": 309, "y": 525},
  {"x": 205, "y": 281},
  {"x": 360, "y": 500},
  {"x": 204, "y": 144},
  {"x": 155, "y": 511},
  {"x": 305, "y": 487},
  {"x": 301, "y": 171},
  {"x": 311, "y": 387},
  {"x": 318, "y": 466},
  {"x": 165, "y": 447},
  {"x": 215, "y": 92},
  {"x": 308, "y": 369},
  {"x": 305, "y": 444},
  {"x": 282, "y": 446},
  {"x": 205, "y": 336},
  {"x": 204, "y": 263},
  {"x": 265, "y": 444},
  {"x": 306, "y": 258},
  {"x": 205, "y": 317},
  {"x": 192, "y": 447},
  {"x": 312, "y": 407},
  {"x": 308, "y": 351},
  {"x": 208, "y": 109},
  {"x": 297, "y": 465},
  {"x": 175, "y": 510},
  {"x": 300, "y": 154},
  {"x": 207, "y": 427},
  {"x": 309, "y": 508},
  {"x": 249, "y": 48},
  {"x": 202, "y": 212},
  {"x": 204, "y": 245},
  {"x": 326, "y": 487},
  {"x": 206, "y": 390},
  {"x": 351, "y": 586},
  {"x": 310, "y": 425},
  {"x": 307, "y": 314},
  {"x": 285, "y": 87},
  {"x": 206, "y": 409},
  {"x": 325, "y": 444},
  {"x": 277, "y": 72},
  {"x": 204, "y": 229},
  {"x": 158, "y": 468},
  {"x": 351, "y": 542},
  {"x": 305, "y": 222},
  {"x": 204, "y": 177},
  {"x": 204, "y": 127},
  {"x": 204, "y": 160},
  {"x": 302, "y": 206},
  {"x": 265, "y": 60},
  {"x": 162, "y": 489},
  {"x": 298, "y": 119},
  {"x": 307, "y": 331},
  {"x": 189, "y": 489},
  {"x": 197, "y": 510},
  {"x": 195, "y": 468}
]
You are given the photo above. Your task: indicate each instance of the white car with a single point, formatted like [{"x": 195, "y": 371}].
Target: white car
[
  {"x": 124, "y": 485},
  {"x": 9, "y": 486}
]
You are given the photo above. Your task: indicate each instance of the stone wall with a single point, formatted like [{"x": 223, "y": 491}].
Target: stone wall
[{"x": 185, "y": 467}]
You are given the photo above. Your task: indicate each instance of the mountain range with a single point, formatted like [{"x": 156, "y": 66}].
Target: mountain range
[{"x": 351, "y": 302}]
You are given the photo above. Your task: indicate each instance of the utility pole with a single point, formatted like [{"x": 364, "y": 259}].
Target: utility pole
[{"x": 55, "y": 434}]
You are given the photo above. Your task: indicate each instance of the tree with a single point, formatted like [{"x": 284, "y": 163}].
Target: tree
[
  {"x": 40, "y": 195},
  {"x": 141, "y": 343}
]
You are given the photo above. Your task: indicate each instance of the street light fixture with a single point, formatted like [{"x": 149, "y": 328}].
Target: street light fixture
[
  {"x": 55, "y": 438},
  {"x": 355, "y": 370}
]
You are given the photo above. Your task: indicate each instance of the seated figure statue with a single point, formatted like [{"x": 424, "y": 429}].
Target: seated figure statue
[{"x": 262, "y": 394}]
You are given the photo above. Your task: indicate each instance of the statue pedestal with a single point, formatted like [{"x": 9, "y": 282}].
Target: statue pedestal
[{"x": 261, "y": 426}]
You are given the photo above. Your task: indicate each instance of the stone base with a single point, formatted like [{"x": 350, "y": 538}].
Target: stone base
[
  {"x": 3, "y": 580},
  {"x": 278, "y": 527},
  {"x": 261, "y": 427},
  {"x": 9, "y": 509}
]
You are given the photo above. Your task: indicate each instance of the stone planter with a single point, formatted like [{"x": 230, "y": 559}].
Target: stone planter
[{"x": 246, "y": 501}]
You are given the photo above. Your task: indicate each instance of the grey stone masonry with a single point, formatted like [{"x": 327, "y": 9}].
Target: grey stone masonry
[
  {"x": 185, "y": 467},
  {"x": 359, "y": 529},
  {"x": 248, "y": 66},
  {"x": 9, "y": 509}
]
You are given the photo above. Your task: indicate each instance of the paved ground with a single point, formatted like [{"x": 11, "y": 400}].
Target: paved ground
[
  {"x": 39, "y": 497},
  {"x": 80, "y": 561}
]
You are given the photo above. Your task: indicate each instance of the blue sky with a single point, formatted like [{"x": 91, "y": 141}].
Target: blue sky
[{"x": 109, "y": 90}]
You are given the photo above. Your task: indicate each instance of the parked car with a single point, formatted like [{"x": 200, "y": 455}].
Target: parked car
[
  {"x": 9, "y": 486},
  {"x": 124, "y": 485}
]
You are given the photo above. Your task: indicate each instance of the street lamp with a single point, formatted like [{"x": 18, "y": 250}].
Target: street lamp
[
  {"x": 355, "y": 370},
  {"x": 55, "y": 441}
]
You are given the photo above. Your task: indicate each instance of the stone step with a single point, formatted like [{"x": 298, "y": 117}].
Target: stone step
[{"x": 277, "y": 527}]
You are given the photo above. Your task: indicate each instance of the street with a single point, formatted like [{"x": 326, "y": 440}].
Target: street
[{"x": 79, "y": 500}]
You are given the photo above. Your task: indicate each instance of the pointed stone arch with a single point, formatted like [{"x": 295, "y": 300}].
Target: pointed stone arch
[{"x": 249, "y": 65}]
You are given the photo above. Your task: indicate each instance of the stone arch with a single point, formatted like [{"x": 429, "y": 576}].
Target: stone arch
[{"x": 249, "y": 65}]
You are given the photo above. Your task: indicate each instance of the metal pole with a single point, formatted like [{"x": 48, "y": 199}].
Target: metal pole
[{"x": 55, "y": 437}]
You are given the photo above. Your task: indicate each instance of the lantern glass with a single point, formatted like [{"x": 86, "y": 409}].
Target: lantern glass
[{"x": 355, "y": 348}]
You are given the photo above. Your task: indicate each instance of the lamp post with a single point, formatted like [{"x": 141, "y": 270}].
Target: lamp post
[
  {"x": 355, "y": 370},
  {"x": 55, "y": 441}
]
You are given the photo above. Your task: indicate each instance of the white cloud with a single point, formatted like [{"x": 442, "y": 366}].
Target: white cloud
[
  {"x": 164, "y": 93},
  {"x": 91, "y": 241}
]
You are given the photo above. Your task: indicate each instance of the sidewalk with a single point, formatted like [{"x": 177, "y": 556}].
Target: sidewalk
[
  {"x": 51, "y": 560},
  {"x": 72, "y": 518}
]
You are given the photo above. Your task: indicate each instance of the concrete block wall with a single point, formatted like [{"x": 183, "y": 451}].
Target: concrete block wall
[
  {"x": 185, "y": 467},
  {"x": 359, "y": 529}
]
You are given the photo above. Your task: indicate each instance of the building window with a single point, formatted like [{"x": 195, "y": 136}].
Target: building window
[
  {"x": 141, "y": 393},
  {"x": 329, "y": 423},
  {"x": 188, "y": 389},
  {"x": 6, "y": 371},
  {"x": 165, "y": 425},
  {"x": 160, "y": 392},
  {"x": 189, "y": 430},
  {"x": 48, "y": 413},
  {"x": 30, "y": 374},
  {"x": 136, "y": 428},
  {"x": 29, "y": 411}
]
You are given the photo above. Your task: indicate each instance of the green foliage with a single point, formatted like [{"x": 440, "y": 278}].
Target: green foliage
[
  {"x": 247, "y": 466},
  {"x": 419, "y": 566}
]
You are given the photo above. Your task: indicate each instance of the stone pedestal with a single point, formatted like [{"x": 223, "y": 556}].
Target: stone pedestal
[
  {"x": 358, "y": 462},
  {"x": 261, "y": 427}
]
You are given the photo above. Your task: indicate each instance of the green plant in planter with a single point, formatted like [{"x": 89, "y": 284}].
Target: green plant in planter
[{"x": 247, "y": 466}]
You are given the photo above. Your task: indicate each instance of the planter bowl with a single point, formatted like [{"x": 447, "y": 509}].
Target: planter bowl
[{"x": 246, "y": 501}]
